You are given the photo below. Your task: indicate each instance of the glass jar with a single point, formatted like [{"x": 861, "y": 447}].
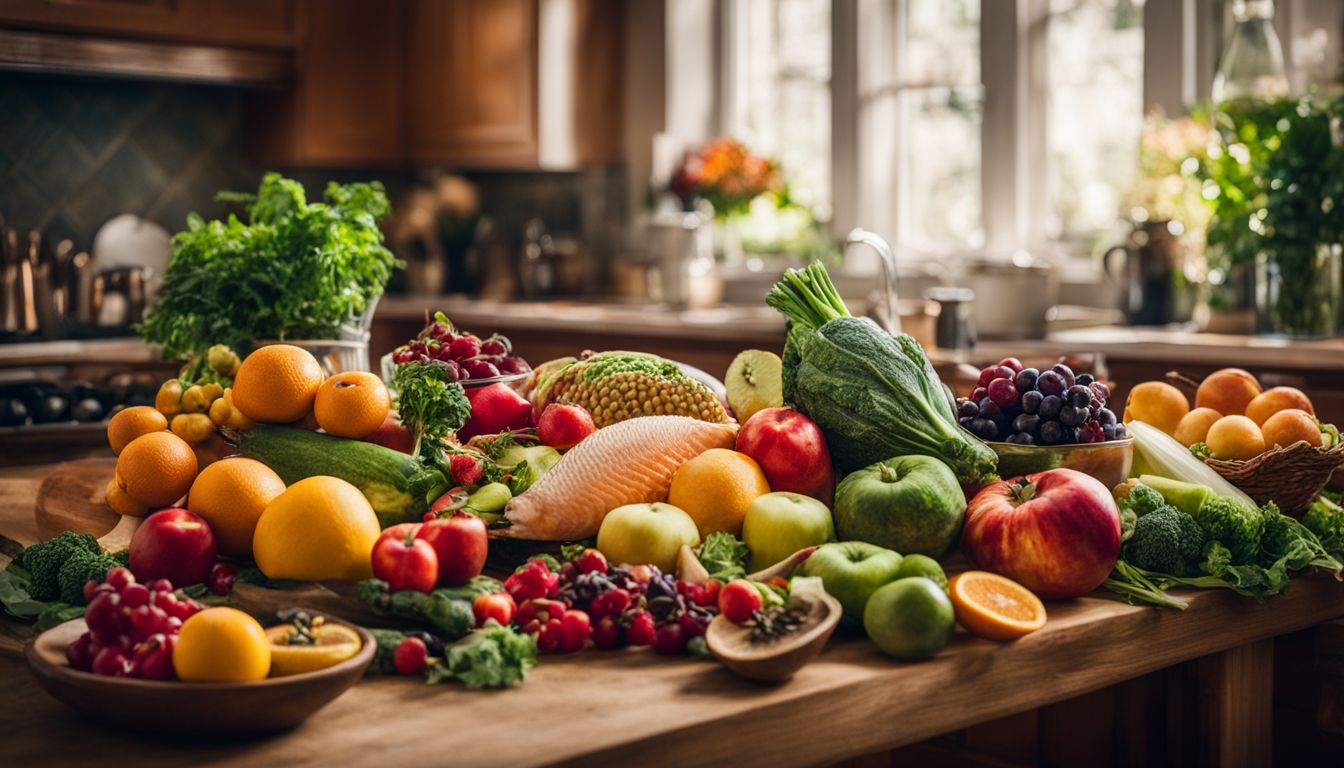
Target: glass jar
[{"x": 1299, "y": 290}]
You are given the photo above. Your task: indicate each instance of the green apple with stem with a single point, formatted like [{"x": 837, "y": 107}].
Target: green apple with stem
[
  {"x": 851, "y": 571},
  {"x": 638, "y": 534},
  {"x": 781, "y": 523}
]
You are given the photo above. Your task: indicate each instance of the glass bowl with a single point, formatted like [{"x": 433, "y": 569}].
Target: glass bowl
[
  {"x": 514, "y": 380},
  {"x": 1108, "y": 462}
]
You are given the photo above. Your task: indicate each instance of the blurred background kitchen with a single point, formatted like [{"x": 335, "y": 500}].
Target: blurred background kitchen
[{"x": 1155, "y": 182}]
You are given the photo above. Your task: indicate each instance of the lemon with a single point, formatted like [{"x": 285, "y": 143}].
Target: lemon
[
  {"x": 332, "y": 644},
  {"x": 319, "y": 528},
  {"x": 221, "y": 645}
]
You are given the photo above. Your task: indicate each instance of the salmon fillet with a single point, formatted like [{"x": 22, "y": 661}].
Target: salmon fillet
[{"x": 630, "y": 462}]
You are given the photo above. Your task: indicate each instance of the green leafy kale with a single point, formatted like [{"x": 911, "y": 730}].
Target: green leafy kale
[
  {"x": 723, "y": 556},
  {"x": 491, "y": 657},
  {"x": 80, "y": 568},
  {"x": 429, "y": 402},
  {"x": 292, "y": 270}
]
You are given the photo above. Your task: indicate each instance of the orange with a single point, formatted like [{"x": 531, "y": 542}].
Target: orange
[
  {"x": 716, "y": 488},
  {"x": 1156, "y": 403},
  {"x": 1235, "y": 437},
  {"x": 130, "y": 423},
  {"x": 1271, "y": 401},
  {"x": 994, "y": 607},
  {"x": 156, "y": 469},
  {"x": 1287, "y": 427},
  {"x": 352, "y": 404},
  {"x": 1194, "y": 426},
  {"x": 1227, "y": 391},
  {"x": 277, "y": 384},
  {"x": 319, "y": 528},
  {"x": 231, "y": 494},
  {"x": 122, "y": 504},
  {"x": 221, "y": 645}
]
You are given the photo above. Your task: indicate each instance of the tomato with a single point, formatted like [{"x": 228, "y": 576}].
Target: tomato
[
  {"x": 739, "y": 600},
  {"x": 407, "y": 563},
  {"x": 497, "y": 605}
]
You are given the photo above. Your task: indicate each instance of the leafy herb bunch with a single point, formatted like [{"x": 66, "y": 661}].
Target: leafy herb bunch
[{"x": 292, "y": 270}]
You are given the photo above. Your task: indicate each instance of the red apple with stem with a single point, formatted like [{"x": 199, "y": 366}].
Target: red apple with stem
[
  {"x": 1056, "y": 532},
  {"x": 173, "y": 544},
  {"x": 461, "y": 544},
  {"x": 792, "y": 452}
]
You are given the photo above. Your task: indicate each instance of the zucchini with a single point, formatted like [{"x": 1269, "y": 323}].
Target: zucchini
[{"x": 398, "y": 486}]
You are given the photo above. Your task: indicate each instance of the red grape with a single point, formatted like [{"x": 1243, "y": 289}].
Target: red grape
[
  {"x": 464, "y": 347},
  {"x": 102, "y": 615},
  {"x": 81, "y": 652},
  {"x": 512, "y": 365},
  {"x": 135, "y": 595},
  {"x": 161, "y": 585},
  {"x": 112, "y": 661},
  {"x": 495, "y": 346},
  {"x": 119, "y": 578},
  {"x": 480, "y": 369},
  {"x": 1002, "y": 392}
]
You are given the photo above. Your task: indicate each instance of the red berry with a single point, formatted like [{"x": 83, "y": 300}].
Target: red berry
[
  {"x": 81, "y": 652},
  {"x": 161, "y": 585},
  {"x": 464, "y": 347},
  {"x": 575, "y": 627},
  {"x": 613, "y": 602},
  {"x": 153, "y": 659},
  {"x": 739, "y": 600},
  {"x": 221, "y": 578},
  {"x": 466, "y": 470},
  {"x": 549, "y": 636},
  {"x": 590, "y": 561},
  {"x": 563, "y": 426},
  {"x": 641, "y": 630},
  {"x": 691, "y": 625},
  {"x": 607, "y": 633},
  {"x": 411, "y": 656},
  {"x": 112, "y": 661},
  {"x": 670, "y": 639},
  {"x": 119, "y": 578},
  {"x": 709, "y": 593},
  {"x": 497, "y": 605}
]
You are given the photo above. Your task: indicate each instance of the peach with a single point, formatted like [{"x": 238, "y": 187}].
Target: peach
[
  {"x": 1271, "y": 401},
  {"x": 1157, "y": 403},
  {"x": 1235, "y": 437},
  {"x": 1227, "y": 391},
  {"x": 1287, "y": 427},
  {"x": 1194, "y": 426}
]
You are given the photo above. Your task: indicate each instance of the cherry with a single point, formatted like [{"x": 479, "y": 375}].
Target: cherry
[{"x": 411, "y": 656}]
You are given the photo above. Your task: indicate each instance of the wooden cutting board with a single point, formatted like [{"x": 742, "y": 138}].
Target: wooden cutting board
[{"x": 73, "y": 498}]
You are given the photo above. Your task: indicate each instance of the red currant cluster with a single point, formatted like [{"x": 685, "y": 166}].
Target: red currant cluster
[
  {"x": 466, "y": 355},
  {"x": 132, "y": 627}
]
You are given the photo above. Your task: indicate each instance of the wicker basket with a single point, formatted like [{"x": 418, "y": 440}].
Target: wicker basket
[{"x": 1290, "y": 477}]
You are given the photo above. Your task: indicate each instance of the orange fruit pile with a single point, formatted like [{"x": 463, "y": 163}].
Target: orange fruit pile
[
  {"x": 130, "y": 423},
  {"x": 153, "y": 470}
]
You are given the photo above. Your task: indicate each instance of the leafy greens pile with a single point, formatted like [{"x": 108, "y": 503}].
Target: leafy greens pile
[{"x": 292, "y": 270}]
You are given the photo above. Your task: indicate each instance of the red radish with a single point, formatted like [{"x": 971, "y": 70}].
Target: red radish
[
  {"x": 495, "y": 409},
  {"x": 562, "y": 426}
]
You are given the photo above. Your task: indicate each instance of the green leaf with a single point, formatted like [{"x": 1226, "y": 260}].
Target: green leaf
[{"x": 723, "y": 556}]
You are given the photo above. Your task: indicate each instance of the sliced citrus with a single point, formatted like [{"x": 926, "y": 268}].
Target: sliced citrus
[
  {"x": 991, "y": 606},
  {"x": 330, "y": 645}
]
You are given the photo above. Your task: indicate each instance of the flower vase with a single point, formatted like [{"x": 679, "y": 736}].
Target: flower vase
[{"x": 730, "y": 249}]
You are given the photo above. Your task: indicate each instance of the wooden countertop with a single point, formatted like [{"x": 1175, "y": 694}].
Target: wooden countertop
[{"x": 636, "y": 708}]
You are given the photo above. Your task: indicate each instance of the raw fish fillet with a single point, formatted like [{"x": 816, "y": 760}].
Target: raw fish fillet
[{"x": 630, "y": 462}]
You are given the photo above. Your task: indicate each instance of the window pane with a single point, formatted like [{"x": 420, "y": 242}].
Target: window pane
[{"x": 1095, "y": 111}]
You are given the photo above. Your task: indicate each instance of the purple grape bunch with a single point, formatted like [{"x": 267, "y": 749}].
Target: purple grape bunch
[{"x": 1027, "y": 406}]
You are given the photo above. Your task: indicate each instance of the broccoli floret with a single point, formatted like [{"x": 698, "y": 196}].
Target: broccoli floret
[
  {"x": 79, "y": 568},
  {"x": 1141, "y": 499},
  {"x": 43, "y": 562},
  {"x": 1167, "y": 541},
  {"x": 1236, "y": 526}
]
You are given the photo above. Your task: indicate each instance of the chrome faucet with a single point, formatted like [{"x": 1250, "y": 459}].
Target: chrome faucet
[{"x": 861, "y": 236}]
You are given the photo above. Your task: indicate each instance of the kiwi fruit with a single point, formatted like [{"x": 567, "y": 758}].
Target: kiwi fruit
[{"x": 754, "y": 383}]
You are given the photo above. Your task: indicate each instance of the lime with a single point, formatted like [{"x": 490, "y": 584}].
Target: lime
[
  {"x": 923, "y": 565},
  {"x": 909, "y": 618}
]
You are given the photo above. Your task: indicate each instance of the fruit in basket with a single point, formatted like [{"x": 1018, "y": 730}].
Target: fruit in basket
[
  {"x": 754, "y": 383},
  {"x": 910, "y": 504},
  {"x": 994, "y": 607},
  {"x": 156, "y": 469},
  {"x": 791, "y": 451},
  {"x": 319, "y": 528},
  {"x": 460, "y": 543},
  {"x": 130, "y": 423},
  {"x": 851, "y": 571},
  {"x": 277, "y": 384},
  {"x": 1271, "y": 401},
  {"x": 221, "y": 645},
  {"x": 495, "y": 408},
  {"x": 909, "y": 618},
  {"x": 716, "y": 488},
  {"x": 352, "y": 404},
  {"x": 1236, "y": 437},
  {"x": 173, "y": 544},
  {"x": 647, "y": 533},
  {"x": 1194, "y": 426},
  {"x": 307, "y": 644},
  {"x": 1158, "y": 403},
  {"x": 231, "y": 495},
  {"x": 1055, "y": 532},
  {"x": 614, "y": 386},
  {"x": 563, "y": 426},
  {"x": 1287, "y": 427},
  {"x": 1228, "y": 391},
  {"x": 780, "y": 523}
]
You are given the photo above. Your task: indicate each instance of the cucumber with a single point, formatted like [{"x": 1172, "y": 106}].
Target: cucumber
[{"x": 398, "y": 486}]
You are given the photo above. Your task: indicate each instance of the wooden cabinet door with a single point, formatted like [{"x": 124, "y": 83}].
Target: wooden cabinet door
[
  {"x": 245, "y": 23},
  {"x": 471, "y": 74}
]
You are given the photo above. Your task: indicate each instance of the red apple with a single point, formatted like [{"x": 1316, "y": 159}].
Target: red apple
[
  {"x": 173, "y": 544},
  {"x": 1055, "y": 532},
  {"x": 494, "y": 409},
  {"x": 792, "y": 452},
  {"x": 562, "y": 426},
  {"x": 460, "y": 543},
  {"x": 391, "y": 434}
]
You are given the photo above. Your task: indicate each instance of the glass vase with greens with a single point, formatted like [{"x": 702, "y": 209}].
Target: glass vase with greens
[
  {"x": 289, "y": 270},
  {"x": 1274, "y": 178}
]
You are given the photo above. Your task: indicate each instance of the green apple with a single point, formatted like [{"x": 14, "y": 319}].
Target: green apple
[
  {"x": 851, "y": 571},
  {"x": 636, "y": 534},
  {"x": 909, "y": 618},
  {"x": 781, "y": 523}
]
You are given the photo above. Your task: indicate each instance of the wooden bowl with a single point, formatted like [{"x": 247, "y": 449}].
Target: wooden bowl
[
  {"x": 270, "y": 705},
  {"x": 775, "y": 661}
]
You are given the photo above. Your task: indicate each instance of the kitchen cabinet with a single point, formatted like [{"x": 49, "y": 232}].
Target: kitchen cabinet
[{"x": 243, "y": 23}]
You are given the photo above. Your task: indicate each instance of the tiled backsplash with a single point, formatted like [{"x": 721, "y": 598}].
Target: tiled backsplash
[{"x": 74, "y": 152}]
